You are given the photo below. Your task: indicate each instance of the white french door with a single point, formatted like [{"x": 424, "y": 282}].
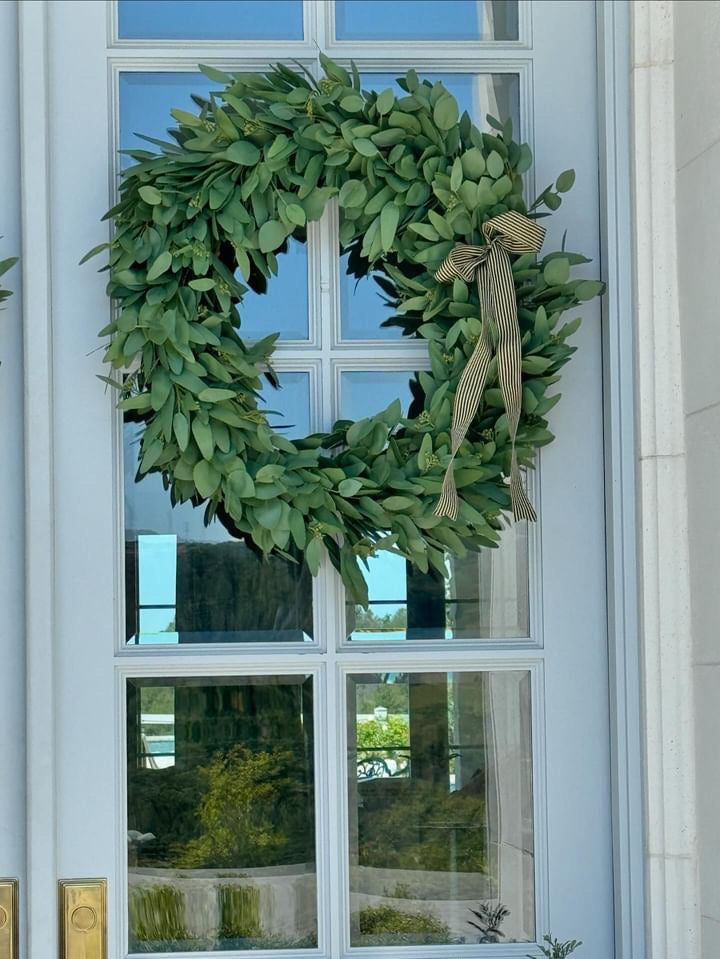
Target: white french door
[{"x": 252, "y": 763}]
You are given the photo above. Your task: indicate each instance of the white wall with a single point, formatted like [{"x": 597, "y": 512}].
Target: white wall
[
  {"x": 697, "y": 119},
  {"x": 12, "y": 638}
]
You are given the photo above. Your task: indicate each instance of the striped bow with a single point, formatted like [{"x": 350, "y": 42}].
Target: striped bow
[{"x": 490, "y": 265}]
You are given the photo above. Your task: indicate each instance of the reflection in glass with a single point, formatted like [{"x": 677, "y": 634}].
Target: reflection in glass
[
  {"x": 440, "y": 808},
  {"x": 186, "y": 582},
  {"x": 362, "y": 307},
  {"x": 221, "y": 822},
  {"x": 210, "y": 19},
  {"x": 483, "y": 596},
  {"x": 146, "y": 100},
  {"x": 427, "y": 20}
]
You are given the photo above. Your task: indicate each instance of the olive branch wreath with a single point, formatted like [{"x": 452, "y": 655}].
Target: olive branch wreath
[{"x": 199, "y": 225}]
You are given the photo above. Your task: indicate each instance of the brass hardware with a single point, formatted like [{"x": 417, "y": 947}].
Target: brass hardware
[
  {"x": 82, "y": 906},
  {"x": 9, "y": 948}
]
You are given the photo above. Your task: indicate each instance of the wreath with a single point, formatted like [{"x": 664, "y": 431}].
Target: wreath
[{"x": 430, "y": 205}]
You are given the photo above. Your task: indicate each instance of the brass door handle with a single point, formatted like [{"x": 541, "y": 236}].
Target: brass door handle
[
  {"x": 9, "y": 920},
  {"x": 82, "y": 913}
]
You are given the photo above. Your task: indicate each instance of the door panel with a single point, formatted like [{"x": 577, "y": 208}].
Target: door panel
[{"x": 185, "y": 676}]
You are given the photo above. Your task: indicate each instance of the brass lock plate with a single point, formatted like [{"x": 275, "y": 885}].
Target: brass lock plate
[
  {"x": 82, "y": 910},
  {"x": 9, "y": 948}
]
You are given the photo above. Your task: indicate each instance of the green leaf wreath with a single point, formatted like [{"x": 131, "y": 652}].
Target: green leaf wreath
[{"x": 199, "y": 226}]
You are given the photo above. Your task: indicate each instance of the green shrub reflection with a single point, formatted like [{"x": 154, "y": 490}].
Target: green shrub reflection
[
  {"x": 253, "y": 812},
  {"x": 376, "y": 923},
  {"x": 424, "y": 827}
]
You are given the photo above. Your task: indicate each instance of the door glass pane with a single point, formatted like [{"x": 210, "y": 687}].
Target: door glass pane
[
  {"x": 221, "y": 814},
  {"x": 440, "y": 808},
  {"x": 210, "y": 19},
  {"x": 362, "y": 308},
  {"x": 186, "y": 582},
  {"x": 484, "y": 595},
  {"x": 365, "y": 392},
  {"x": 146, "y": 100},
  {"x": 426, "y": 20}
]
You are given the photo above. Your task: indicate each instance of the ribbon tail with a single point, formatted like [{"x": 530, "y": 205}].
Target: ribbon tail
[
  {"x": 521, "y": 506},
  {"x": 509, "y": 362},
  {"x": 467, "y": 401},
  {"x": 448, "y": 502}
]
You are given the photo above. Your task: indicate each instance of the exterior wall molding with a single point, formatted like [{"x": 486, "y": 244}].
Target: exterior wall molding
[
  {"x": 35, "y": 191},
  {"x": 672, "y": 886}
]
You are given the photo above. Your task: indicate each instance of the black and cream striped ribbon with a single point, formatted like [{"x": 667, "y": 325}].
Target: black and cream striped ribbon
[{"x": 508, "y": 233}]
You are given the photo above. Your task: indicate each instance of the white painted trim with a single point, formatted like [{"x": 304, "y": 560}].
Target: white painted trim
[
  {"x": 613, "y": 21},
  {"x": 672, "y": 901},
  {"x": 39, "y": 495}
]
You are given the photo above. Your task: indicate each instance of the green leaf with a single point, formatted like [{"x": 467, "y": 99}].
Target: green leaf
[
  {"x": 150, "y": 195},
  {"x": 217, "y": 76},
  {"x": 365, "y": 147},
  {"x": 552, "y": 201},
  {"x": 88, "y": 256},
  {"x": 352, "y": 103},
  {"x": 278, "y": 145},
  {"x": 160, "y": 266},
  {"x": 397, "y": 503},
  {"x": 424, "y": 451},
  {"x": 243, "y": 153},
  {"x": 185, "y": 118},
  {"x": 202, "y": 284},
  {"x": 556, "y": 271},
  {"x": 473, "y": 163},
  {"x": 269, "y": 473},
  {"x": 385, "y": 102},
  {"x": 353, "y": 193},
  {"x": 441, "y": 225},
  {"x": 494, "y": 165},
  {"x": 269, "y": 513},
  {"x": 139, "y": 402},
  {"x": 389, "y": 219},
  {"x": 241, "y": 483},
  {"x": 587, "y": 289},
  {"x": 565, "y": 181},
  {"x": 295, "y": 213},
  {"x": 203, "y": 437},
  {"x": 206, "y": 478},
  {"x": 349, "y": 487},
  {"x": 358, "y": 431},
  {"x": 314, "y": 554},
  {"x": 457, "y": 175},
  {"x": 272, "y": 235},
  {"x": 446, "y": 113},
  {"x": 297, "y": 527},
  {"x": 214, "y": 395},
  {"x": 181, "y": 428},
  {"x": 160, "y": 387}
]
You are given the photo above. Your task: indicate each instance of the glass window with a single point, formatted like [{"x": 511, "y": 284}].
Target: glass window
[
  {"x": 440, "y": 808},
  {"x": 483, "y": 596},
  {"x": 363, "y": 311},
  {"x": 221, "y": 814},
  {"x": 364, "y": 392},
  {"x": 426, "y": 20},
  {"x": 210, "y": 19},
  {"x": 146, "y": 100},
  {"x": 186, "y": 582}
]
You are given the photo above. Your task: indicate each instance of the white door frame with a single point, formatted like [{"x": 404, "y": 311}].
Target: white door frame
[{"x": 36, "y": 171}]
